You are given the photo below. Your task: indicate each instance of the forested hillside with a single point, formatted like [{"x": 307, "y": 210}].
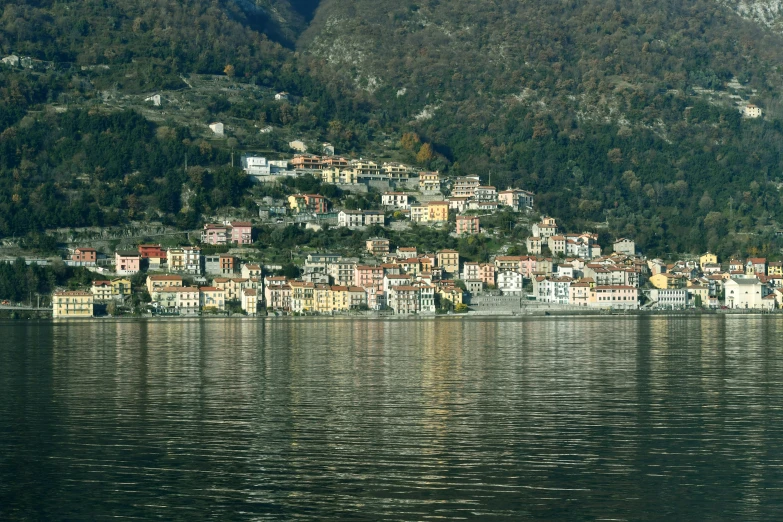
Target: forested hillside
[{"x": 619, "y": 112}]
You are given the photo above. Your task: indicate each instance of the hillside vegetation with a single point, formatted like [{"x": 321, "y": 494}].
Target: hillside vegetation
[{"x": 625, "y": 113}]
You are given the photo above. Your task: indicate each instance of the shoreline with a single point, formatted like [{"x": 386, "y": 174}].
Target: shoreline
[{"x": 408, "y": 317}]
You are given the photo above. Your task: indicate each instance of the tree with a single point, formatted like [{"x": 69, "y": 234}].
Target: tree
[{"x": 425, "y": 154}]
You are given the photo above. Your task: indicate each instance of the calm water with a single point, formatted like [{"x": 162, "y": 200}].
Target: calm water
[{"x": 559, "y": 419}]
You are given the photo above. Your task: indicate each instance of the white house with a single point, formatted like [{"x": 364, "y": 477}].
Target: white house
[
  {"x": 155, "y": 99},
  {"x": 217, "y": 128},
  {"x": 350, "y": 218},
  {"x": 751, "y": 111},
  {"x": 510, "y": 282},
  {"x": 395, "y": 200},
  {"x": 281, "y": 96},
  {"x": 298, "y": 145}
]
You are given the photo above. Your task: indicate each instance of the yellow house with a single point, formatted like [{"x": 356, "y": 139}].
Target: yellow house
[
  {"x": 448, "y": 260},
  {"x": 451, "y": 294},
  {"x": 775, "y": 268},
  {"x": 72, "y": 304},
  {"x": 302, "y": 296},
  {"x": 668, "y": 281},
  {"x": 438, "y": 211},
  {"x": 120, "y": 287},
  {"x": 708, "y": 259},
  {"x": 698, "y": 290},
  {"x": 322, "y": 298}
]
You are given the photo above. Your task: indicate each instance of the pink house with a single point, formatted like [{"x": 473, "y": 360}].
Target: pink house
[
  {"x": 241, "y": 232},
  {"x": 127, "y": 262},
  {"x": 368, "y": 276}
]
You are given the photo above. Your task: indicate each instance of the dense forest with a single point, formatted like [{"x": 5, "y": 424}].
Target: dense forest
[{"x": 622, "y": 113}]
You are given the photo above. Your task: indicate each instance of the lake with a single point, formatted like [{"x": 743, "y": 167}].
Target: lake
[{"x": 586, "y": 418}]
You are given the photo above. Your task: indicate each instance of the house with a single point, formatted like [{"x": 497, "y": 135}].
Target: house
[
  {"x": 471, "y": 271},
  {"x": 751, "y": 111},
  {"x": 557, "y": 244},
  {"x": 241, "y": 233},
  {"x": 328, "y": 149},
  {"x": 698, "y": 293},
  {"x": 85, "y": 255},
  {"x": 251, "y": 270},
  {"x": 419, "y": 213},
  {"x": 217, "y": 128},
  {"x": 307, "y": 162},
  {"x": 377, "y": 246},
  {"x": 127, "y": 262},
  {"x": 212, "y": 298},
  {"x": 281, "y": 96},
  {"x": 546, "y": 229},
  {"x": 395, "y": 200},
  {"x": 708, "y": 259},
  {"x": 487, "y": 272},
  {"x": 120, "y": 288},
  {"x": 579, "y": 293},
  {"x": 185, "y": 259},
  {"x": 367, "y": 276},
  {"x": 314, "y": 203},
  {"x": 101, "y": 291},
  {"x": 616, "y": 297},
  {"x": 213, "y": 234},
  {"x": 624, "y": 246},
  {"x": 250, "y": 301},
  {"x": 756, "y": 266},
  {"x": 458, "y": 204},
  {"x": 220, "y": 264},
  {"x": 277, "y": 296},
  {"x": 188, "y": 300},
  {"x": 448, "y": 260},
  {"x": 533, "y": 245},
  {"x": 342, "y": 272},
  {"x": 437, "y": 211},
  {"x": 429, "y": 182},
  {"x": 302, "y": 294},
  {"x": 468, "y": 225},
  {"x": 516, "y": 199},
  {"x": 350, "y": 218},
  {"x": 151, "y": 251},
  {"x": 485, "y": 194},
  {"x": 745, "y": 293},
  {"x": 465, "y": 186},
  {"x": 298, "y": 145},
  {"x": 155, "y": 99},
  {"x": 474, "y": 286},
  {"x": 667, "y": 280},
  {"x": 510, "y": 282},
  {"x": 74, "y": 303},
  {"x": 156, "y": 282}
]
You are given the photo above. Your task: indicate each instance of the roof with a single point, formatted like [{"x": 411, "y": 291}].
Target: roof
[
  {"x": 164, "y": 278},
  {"x": 745, "y": 281},
  {"x": 85, "y": 249},
  {"x": 241, "y": 224},
  {"x": 80, "y": 293},
  {"x": 211, "y": 289},
  {"x": 127, "y": 253}
]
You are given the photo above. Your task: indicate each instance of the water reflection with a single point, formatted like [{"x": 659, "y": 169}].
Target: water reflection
[{"x": 556, "y": 418}]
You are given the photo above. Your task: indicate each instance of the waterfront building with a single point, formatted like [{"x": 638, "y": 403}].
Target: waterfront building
[{"x": 72, "y": 303}]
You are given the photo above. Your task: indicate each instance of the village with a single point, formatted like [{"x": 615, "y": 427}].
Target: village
[{"x": 560, "y": 271}]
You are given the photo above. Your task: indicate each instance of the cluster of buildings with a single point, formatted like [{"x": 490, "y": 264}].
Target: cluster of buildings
[{"x": 417, "y": 195}]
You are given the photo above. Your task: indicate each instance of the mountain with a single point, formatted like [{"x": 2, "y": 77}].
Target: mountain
[
  {"x": 624, "y": 112},
  {"x": 624, "y": 115}
]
